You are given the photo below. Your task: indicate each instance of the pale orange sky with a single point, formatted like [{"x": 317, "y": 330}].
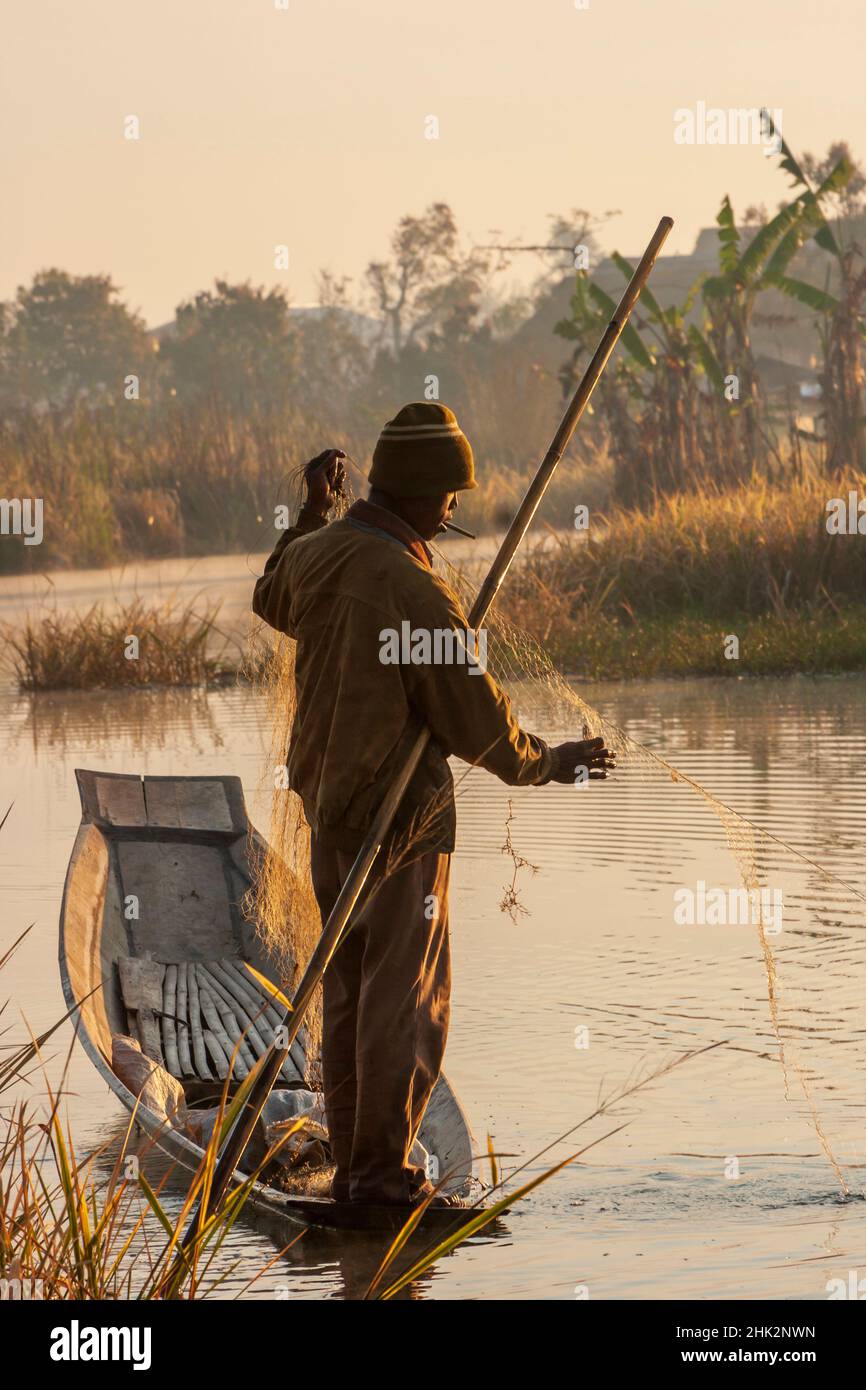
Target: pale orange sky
[{"x": 306, "y": 126}]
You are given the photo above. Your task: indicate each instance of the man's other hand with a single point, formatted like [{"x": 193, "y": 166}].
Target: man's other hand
[
  {"x": 325, "y": 476},
  {"x": 585, "y": 758}
]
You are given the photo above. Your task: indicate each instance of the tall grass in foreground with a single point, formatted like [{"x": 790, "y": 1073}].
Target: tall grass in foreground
[
  {"x": 73, "y": 1235},
  {"x": 131, "y": 646}
]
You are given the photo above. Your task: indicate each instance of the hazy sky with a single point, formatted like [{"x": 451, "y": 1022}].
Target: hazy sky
[{"x": 306, "y": 126}]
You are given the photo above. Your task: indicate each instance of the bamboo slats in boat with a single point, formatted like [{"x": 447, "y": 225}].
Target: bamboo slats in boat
[{"x": 212, "y": 1011}]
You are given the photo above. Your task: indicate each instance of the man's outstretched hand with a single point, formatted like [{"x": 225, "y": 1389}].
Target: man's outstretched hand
[
  {"x": 586, "y": 758},
  {"x": 325, "y": 476}
]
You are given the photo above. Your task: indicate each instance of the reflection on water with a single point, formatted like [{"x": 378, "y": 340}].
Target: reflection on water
[{"x": 722, "y": 1182}]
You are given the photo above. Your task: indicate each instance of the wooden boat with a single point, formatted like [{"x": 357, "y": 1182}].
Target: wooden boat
[{"x": 153, "y": 890}]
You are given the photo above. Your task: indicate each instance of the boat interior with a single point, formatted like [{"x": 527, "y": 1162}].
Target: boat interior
[
  {"x": 154, "y": 910},
  {"x": 155, "y": 945}
]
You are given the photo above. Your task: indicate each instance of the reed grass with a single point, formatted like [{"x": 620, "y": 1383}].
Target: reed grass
[
  {"x": 760, "y": 548},
  {"x": 73, "y": 1233},
  {"x": 659, "y": 592},
  {"x": 639, "y": 594},
  {"x": 92, "y": 650},
  {"x": 120, "y": 483}
]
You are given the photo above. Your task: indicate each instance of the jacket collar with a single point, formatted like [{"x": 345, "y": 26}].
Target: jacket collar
[{"x": 368, "y": 514}]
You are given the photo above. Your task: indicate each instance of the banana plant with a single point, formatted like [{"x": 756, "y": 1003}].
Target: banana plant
[
  {"x": 661, "y": 430},
  {"x": 666, "y": 432},
  {"x": 841, "y": 321}
]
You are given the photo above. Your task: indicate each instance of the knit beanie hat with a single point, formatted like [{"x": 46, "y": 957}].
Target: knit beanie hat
[{"x": 422, "y": 452}]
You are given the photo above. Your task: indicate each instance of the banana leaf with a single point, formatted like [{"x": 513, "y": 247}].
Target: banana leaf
[
  {"x": 729, "y": 237},
  {"x": 707, "y": 357},
  {"x": 648, "y": 299},
  {"x": 630, "y": 336},
  {"x": 766, "y": 239},
  {"x": 807, "y": 294}
]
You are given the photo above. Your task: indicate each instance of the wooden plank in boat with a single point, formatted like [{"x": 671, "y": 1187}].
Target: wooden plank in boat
[
  {"x": 213, "y": 804},
  {"x": 141, "y": 987},
  {"x": 112, "y": 798},
  {"x": 189, "y": 803},
  {"x": 141, "y": 982},
  {"x": 182, "y": 899}
]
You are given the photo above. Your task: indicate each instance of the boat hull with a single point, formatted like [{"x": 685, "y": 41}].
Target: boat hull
[{"x": 132, "y": 826}]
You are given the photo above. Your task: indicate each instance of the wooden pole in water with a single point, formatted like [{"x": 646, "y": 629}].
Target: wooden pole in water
[{"x": 336, "y": 924}]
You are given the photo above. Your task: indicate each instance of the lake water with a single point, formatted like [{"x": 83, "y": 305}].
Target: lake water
[{"x": 739, "y": 1173}]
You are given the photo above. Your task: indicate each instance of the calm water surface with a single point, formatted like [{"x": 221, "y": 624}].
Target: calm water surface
[{"x": 730, "y": 1176}]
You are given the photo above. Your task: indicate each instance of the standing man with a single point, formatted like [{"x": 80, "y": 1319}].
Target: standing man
[{"x": 344, "y": 592}]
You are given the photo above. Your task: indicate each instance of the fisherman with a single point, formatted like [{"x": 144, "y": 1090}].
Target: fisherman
[{"x": 339, "y": 590}]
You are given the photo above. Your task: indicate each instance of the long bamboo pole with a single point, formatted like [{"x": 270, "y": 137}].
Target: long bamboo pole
[{"x": 337, "y": 922}]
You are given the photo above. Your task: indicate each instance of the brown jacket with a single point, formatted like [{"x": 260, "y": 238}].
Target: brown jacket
[{"x": 337, "y": 589}]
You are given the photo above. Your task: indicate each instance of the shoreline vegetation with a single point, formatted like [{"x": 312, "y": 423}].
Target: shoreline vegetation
[
  {"x": 816, "y": 642},
  {"x": 749, "y": 580},
  {"x": 800, "y": 643}
]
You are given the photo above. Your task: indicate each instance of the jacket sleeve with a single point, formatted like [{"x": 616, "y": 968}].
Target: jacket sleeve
[
  {"x": 468, "y": 715},
  {"x": 270, "y": 598}
]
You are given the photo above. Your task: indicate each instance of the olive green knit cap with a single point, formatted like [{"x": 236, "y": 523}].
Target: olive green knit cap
[{"x": 422, "y": 452}]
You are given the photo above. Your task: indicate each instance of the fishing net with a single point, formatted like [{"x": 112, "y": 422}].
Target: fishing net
[
  {"x": 806, "y": 1023},
  {"x": 800, "y": 1027}
]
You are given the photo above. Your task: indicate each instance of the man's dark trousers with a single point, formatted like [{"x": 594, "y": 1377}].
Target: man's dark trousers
[{"x": 386, "y": 1010}]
